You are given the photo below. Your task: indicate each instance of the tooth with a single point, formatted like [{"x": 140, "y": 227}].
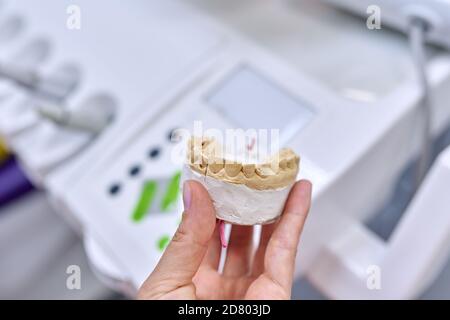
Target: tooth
[
  {"x": 195, "y": 157},
  {"x": 205, "y": 143},
  {"x": 205, "y": 159},
  {"x": 195, "y": 151},
  {"x": 292, "y": 161},
  {"x": 283, "y": 163},
  {"x": 249, "y": 170},
  {"x": 264, "y": 170},
  {"x": 216, "y": 165},
  {"x": 202, "y": 168},
  {"x": 232, "y": 169},
  {"x": 212, "y": 151},
  {"x": 275, "y": 165}
]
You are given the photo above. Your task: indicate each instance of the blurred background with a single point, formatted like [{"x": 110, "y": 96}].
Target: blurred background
[{"x": 91, "y": 92}]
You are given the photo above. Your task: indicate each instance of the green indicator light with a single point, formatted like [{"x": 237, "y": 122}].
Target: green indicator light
[
  {"x": 163, "y": 242},
  {"x": 172, "y": 191},
  {"x": 145, "y": 201}
]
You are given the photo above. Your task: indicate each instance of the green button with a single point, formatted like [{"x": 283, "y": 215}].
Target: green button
[
  {"x": 145, "y": 201},
  {"x": 171, "y": 195},
  {"x": 163, "y": 242}
]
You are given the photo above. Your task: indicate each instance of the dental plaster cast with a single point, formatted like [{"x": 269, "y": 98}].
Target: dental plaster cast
[{"x": 244, "y": 191}]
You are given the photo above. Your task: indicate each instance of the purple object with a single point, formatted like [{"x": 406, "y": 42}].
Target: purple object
[{"x": 13, "y": 182}]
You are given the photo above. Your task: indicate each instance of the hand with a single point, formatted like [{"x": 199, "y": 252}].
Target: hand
[{"x": 188, "y": 268}]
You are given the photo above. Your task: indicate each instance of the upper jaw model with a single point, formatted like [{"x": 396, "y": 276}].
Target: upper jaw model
[{"x": 243, "y": 190}]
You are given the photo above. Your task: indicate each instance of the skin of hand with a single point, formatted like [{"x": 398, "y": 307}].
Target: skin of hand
[{"x": 188, "y": 268}]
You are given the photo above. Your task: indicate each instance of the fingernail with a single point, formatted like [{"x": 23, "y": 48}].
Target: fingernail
[
  {"x": 310, "y": 186},
  {"x": 187, "y": 196},
  {"x": 223, "y": 240}
]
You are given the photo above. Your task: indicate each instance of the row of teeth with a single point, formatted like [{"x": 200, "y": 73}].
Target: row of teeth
[
  {"x": 233, "y": 169},
  {"x": 248, "y": 170}
]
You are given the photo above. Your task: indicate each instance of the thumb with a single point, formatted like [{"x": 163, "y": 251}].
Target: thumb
[{"x": 185, "y": 252}]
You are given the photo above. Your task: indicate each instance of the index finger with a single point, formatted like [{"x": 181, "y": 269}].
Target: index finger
[
  {"x": 279, "y": 260},
  {"x": 185, "y": 252}
]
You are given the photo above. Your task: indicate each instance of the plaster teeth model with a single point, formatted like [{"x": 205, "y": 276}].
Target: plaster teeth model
[{"x": 244, "y": 191}]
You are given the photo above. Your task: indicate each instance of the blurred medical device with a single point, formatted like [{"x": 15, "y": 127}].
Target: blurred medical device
[{"x": 91, "y": 108}]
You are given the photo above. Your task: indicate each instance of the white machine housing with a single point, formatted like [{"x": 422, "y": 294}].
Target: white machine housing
[{"x": 130, "y": 82}]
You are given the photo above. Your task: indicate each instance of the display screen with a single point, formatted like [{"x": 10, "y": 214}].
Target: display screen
[{"x": 250, "y": 100}]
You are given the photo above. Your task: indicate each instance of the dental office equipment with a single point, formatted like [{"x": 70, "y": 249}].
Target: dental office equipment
[
  {"x": 134, "y": 84},
  {"x": 109, "y": 188},
  {"x": 55, "y": 86},
  {"x": 424, "y": 21},
  {"x": 92, "y": 192},
  {"x": 94, "y": 115},
  {"x": 419, "y": 29},
  {"x": 401, "y": 14},
  {"x": 20, "y": 111}
]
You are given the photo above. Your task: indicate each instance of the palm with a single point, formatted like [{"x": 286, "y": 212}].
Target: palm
[
  {"x": 213, "y": 286},
  {"x": 243, "y": 275}
]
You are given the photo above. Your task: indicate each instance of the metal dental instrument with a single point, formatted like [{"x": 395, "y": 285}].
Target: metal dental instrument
[{"x": 92, "y": 116}]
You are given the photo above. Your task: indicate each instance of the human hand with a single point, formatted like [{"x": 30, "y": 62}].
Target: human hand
[{"x": 188, "y": 268}]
